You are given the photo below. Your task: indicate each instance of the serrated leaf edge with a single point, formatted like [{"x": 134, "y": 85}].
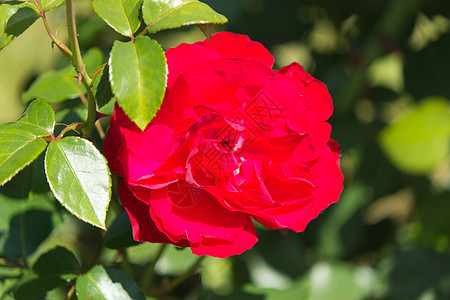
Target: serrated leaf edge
[
  {"x": 101, "y": 225},
  {"x": 26, "y": 165},
  {"x": 112, "y": 26},
  {"x": 188, "y": 23}
]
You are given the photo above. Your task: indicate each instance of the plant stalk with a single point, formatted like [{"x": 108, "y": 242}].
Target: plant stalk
[{"x": 80, "y": 68}]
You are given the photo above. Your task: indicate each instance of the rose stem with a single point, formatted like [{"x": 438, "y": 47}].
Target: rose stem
[
  {"x": 150, "y": 273},
  {"x": 80, "y": 68}
]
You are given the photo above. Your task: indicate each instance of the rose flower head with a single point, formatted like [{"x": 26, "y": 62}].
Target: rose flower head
[{"x": 234, "y": 141}]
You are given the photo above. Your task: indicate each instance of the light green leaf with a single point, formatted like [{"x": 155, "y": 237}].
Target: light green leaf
[
  {"x": 419, "y": 141},
  {"x": 122, "y": 15},
  {"x": 41, "y": 114},
  {"x": 167, "y": 14},
  {"x": 15, "y": 18},
  {"x": 50, "y": 4},
  {"x": 138, "y": 73},
  {"x": 21, "y": 141},
  {"x": 57, "y": 86},
  {"x": 19, "y": 146},
  {"x": 96, "y": 284},
  {"x": 79, "y": 178},
  {"x": 298, "y": 291}
]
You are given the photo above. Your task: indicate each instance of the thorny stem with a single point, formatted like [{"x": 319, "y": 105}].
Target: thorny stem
[
  {"x": 66, "y": 51},
  {"x": 80, "y": 68},
  {"x": 150, "y": 273}
]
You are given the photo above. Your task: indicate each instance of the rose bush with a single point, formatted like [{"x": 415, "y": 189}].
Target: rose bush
[{"x": 234, "y": 140}]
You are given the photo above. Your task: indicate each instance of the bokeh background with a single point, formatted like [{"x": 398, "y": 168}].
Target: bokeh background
[{"x": 387, "y": 65}]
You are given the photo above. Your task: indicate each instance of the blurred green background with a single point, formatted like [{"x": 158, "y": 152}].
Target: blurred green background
[{"x": 387, "y": 65}]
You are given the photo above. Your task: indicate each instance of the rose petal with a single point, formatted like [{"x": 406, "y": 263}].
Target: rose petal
[
  {"x": 144, "y": 229},
  {"x": 315, "y": 91},
  {"x": 232, "y": 45},
  {"x": 223, "y": 248},
  {"x": 185, "y": 212},
  {"x": 121, "y": 130},
  {"x": 296, "y": 215},
  {"x": 148, "y": 151},
  {"x": 186, "y": 56}
]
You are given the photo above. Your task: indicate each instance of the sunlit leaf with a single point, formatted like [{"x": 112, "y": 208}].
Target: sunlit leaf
[
  {"x": 79, "y": 178},
  {"x": 60, "y": 85},
  {"x": 167, "y": 14},
  {"x": 122, "y": 15},
  {"x": 21, "y": 142},
  {"x": 41, "y": 114},
  {"x": 15, "y": 18},
  {"x": 420, "y": 140},
  {"x": 97, "y": 284},
  {"x": 138, "y": 74},
  {"x": 50, "y": 4}
]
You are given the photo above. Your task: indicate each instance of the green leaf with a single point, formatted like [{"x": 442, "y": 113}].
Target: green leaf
[
  {"x": 339, "y": 281},
  {"x": 18, "y": 148},
  {"x": 122, "y": 15},
  {"x": 27, "y": 231},
  {"x": 102, "y": 88},
  {"x": 15, "y": 18},
  {"x": 419, "y": 141},
  {"x": 168, "y": 14},
  {"x": 57, "y": 261},
  {"x": 97, "y": 284},
  {"x": 138, "y": 74},
  {"x": 41, "y": 114},
  {"x": 119, "y": 234},
  {"x": 79, "y": 178},
  {"x": 50, "y": 4},
  {"x": 127, "y": 283},
  {"x": 21, "y": 143},
  {"x": 299, "y": 291},
  {"x": 57, "y": 86},
  {"x": 37, "y": 287}
]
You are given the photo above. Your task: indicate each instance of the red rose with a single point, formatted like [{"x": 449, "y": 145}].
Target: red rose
[{"x": 233, "y": 141}]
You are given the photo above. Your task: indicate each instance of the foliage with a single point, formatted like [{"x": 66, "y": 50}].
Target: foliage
[{"x": 384, "y": 63}]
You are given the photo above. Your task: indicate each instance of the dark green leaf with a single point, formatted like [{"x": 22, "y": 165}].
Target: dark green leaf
[
  {"x": 27, "y": 231},
  {"x": 50, "y": 4},
  {"x": 160, "y": 15},
  {"x": 127, "y": 283},
  {"x": 57, "y": 261},
  {"x": 138, "y": 78},
  {"x": 122, "y": 15},
  {"x": 79, "y": 178},
  {"x": 96, "y": 284},
  {"x": 37, "y": 287},
  {"x": 102, "y": 88},
  {"x": 15, "y": 18},
  {"x": 56, "y": 86},
  {"x": 420, "y": 140},
  {"x": 119, "y": 234}
]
